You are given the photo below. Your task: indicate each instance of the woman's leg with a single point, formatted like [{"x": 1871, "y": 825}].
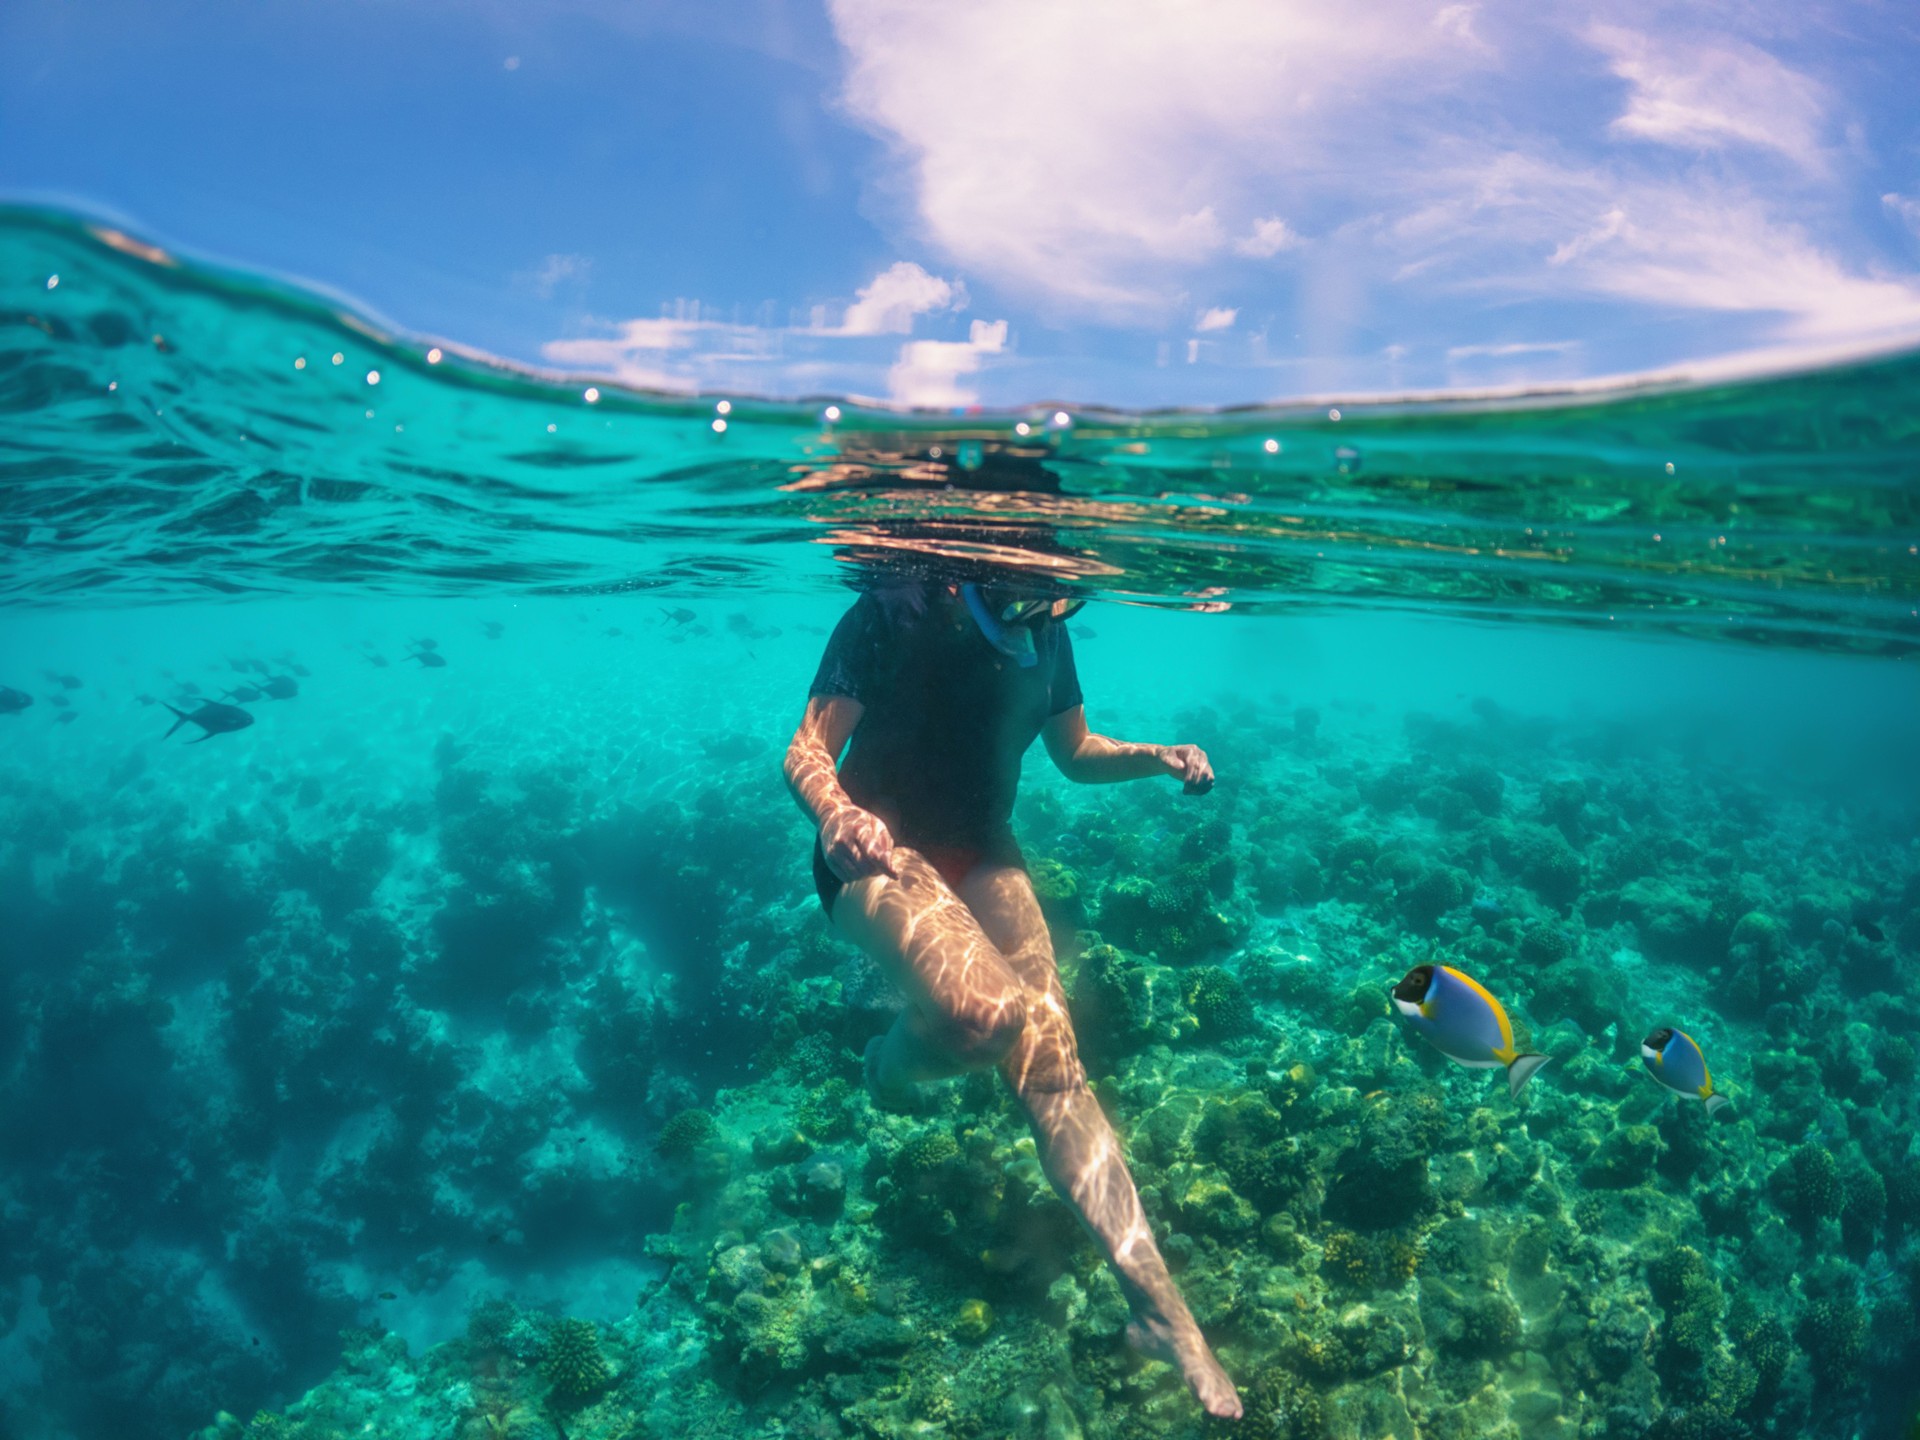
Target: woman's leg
[
  {"x": 1078, "y": 1149},
  {"x": 965, "y": 1008}
]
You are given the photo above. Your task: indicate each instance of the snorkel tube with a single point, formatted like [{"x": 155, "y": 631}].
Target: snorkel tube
[{"x": 1013, "y": 641}]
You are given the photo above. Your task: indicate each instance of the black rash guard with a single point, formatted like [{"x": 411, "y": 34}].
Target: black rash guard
[{"x": 946, "y": 716}]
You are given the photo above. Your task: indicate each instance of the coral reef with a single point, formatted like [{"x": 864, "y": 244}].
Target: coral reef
[{"x": 294, "y": 1083}]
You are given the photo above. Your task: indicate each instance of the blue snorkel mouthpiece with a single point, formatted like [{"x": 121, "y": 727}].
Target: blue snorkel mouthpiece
[{"x": 1013, "y": 641}]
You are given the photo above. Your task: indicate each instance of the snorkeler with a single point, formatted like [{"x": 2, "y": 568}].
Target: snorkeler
[{"x": 941, "y": 688}]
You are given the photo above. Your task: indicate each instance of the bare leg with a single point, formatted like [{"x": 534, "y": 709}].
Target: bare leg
[
  {"x": 965, "y": 1008},
  {"x": 1078, "y": 1149}
]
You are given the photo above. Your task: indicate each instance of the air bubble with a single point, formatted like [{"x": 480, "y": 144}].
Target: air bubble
[
  {"x": 591, "y": 395},
  {"x": 719, "y": 427},
  {"x": 1272, "y": 447},
  {"x": 724, "y": 407},
  {"x": 830, "y": 414},
  {"x": 1334, "y": 413},
  {"x": 1023, "y": 428},
  {"x": 433, "y": 356},
  {"x": 373, "y": 377}
]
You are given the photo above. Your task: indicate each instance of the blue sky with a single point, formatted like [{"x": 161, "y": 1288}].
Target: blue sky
[{"x": 1189, "y": 202}]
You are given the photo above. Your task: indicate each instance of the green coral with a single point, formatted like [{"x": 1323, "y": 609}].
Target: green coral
[
  {"x": 827, "y": 1111},
  {"x": 927, "y": 1153},
  {"x": 1807, "y": 1185},
  {"x": 1834, "y": 1335},
  {"x": 685, "y": 1133},
  {"x": 1218, "y": 1002},
  {"x": 1057, "y": 889},
  {"x": 1279, "y": 1406},
  {"x": 572, "y": 1363},
  {"x": 1626, "y": 1158}
]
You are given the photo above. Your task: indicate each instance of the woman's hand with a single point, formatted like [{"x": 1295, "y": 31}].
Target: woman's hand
[
  {"x": 856, "y": 843},
  {"x": 1190, "y": 763}
]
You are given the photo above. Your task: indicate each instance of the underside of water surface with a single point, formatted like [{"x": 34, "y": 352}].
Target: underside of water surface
[{"x": 457, "y": 1048}]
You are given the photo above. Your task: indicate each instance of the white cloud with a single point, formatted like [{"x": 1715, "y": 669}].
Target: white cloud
[
  {"x": 928, "y": 371},
  {"x": 897, "y": 294},
  {"x": 1709, "y": 95},
  {"x": 557, "y": 270},
  {"x": 1089, "y": 160},
  {"x": 1905, "y": 208},
  {"x": 1511, "y": 349},
  {"x": 1268, "y": 237},
  {"x": 1218, "y": 318}
]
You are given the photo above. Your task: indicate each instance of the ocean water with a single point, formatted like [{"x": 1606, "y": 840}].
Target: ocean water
[{"x": 457, "y": 1050}]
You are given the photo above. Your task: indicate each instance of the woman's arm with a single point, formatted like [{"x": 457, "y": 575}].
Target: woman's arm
[
  {"x": 1089, "y": 759},
  {"x": 856, "y": 842}
]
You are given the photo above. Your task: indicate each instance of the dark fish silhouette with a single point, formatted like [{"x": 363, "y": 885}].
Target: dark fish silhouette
[
  {"x": 1083, "y": 632},
  {"x": 425, "y": 644},
  {"x": 431, "y": 659},
  {"x": 212, "y": 717},
  {"x": 281, "y": 687},
  {"x": 65, "y": 682},
  {"x": 388, "y": 1295},
  {"x": 493, "y": 628},
  {"x": 1872, "y": 931},
  {"x": 59, "y": 700},
  {"x": 66, "y": 717},
  {"x": 679, "y": 616},
  {"x": 613, "y": 630},
  {"x": 379, "y": 662},
  {"x": 144, "y": 699},
  {"x": 187, "y": 687},
  {"x": 242, "y": 695},
  {"x": 295, "y": 666}
]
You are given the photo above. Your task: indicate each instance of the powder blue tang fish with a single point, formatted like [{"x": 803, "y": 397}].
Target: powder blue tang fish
[
  {"x": 1673, "y": 1058},
  {"x": 1454, "y": 1013}
]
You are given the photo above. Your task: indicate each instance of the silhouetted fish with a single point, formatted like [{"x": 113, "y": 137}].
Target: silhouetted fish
[
  {"x": 613, "y": 631},
  {"x": 212, "y": 717},
  {"x": 1083, "y": 632},
  {"x": 66, "y": 717},
  {"x": 680, "y": 616},
  {"x": 431, "y": 659},
  {"x": 493, "y": 628},
  {"x": 143, "y": 699},
  {"x": 58, "y": 700},
  {"x": 425, "y": 644},
  {"x": 1872, "y": 931},
  {"x": 65, "y": 682},
  {"x": 295, "y": 666},
  {"x": 281, "y": 687},
  {"x": 242, "y": 695},
  {"x": 379, "y": 662},
  {"x": 13, "y": 701},
  {"x": 388, "y": 1295}
]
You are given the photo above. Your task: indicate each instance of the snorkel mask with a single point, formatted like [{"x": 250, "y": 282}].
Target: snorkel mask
[{"x": 1008, "y": 620}]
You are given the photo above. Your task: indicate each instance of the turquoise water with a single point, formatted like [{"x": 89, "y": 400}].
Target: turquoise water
[{"x": 458, "y": 1049}]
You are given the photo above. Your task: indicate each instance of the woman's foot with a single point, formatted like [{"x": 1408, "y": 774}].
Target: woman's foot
[{"x": 1155, "y": 1337}]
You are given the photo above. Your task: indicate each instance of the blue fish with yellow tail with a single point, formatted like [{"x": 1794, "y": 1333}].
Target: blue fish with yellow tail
[
  {"x": 1454, "y": 1013},
  {"x": 1674, "y": 1058}
]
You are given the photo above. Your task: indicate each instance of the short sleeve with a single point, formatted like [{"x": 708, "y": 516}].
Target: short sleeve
[
  {"x": 1064, "y": 687},
  {"x": 852, "y": 663}
]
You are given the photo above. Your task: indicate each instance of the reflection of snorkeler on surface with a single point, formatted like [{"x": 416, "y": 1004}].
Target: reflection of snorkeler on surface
[{"x": 941, "y": 688}]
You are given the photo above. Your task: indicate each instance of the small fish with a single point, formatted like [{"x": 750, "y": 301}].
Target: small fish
[
  {"x": 280, "y": 687},
  {"x": 66, "y": 717},
  {"x": 379, "y": 662},
  {"x": 424, "y": 644},
  {"x": 1870, "y": 930},
  {"x": 187, "y": 687},
  {"x": 59, "y": 700},
  {"x": 295, "y": 667},
  {"x": 1673, "y": 1058},
  {"x": 212, "y": 717},
  {"x": 493, "y": 628},
  {"x": 65, "y": 682},
  {"x": 1456, "y": 1015},
  {"x": 1083, "y": 632},
  {"x": 430, "y": 659},
  {"x": 242, "y": 695},
  {"x": 678, "y": 616},
  {"x": 388, "y": 1295},
  {"x": 144, "y": 699}
]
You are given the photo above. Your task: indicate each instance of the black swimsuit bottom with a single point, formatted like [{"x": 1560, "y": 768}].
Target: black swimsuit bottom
[{"x": 954, "y": 862}]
